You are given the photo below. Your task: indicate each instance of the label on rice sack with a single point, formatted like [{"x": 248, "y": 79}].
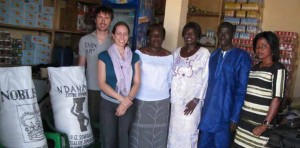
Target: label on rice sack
[
  {"x": 70, "y": 105},
  {"x": 20, "y": 119}
]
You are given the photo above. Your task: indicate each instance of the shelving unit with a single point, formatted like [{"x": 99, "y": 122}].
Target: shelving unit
[
  {"x": 203, "y": 15},
  {"x": 17, "y": 31},
  {"x": 20, "y": 18},
  {"x": 159, "y": 10},
  {"x": 289, "y": 42},
  {"x": 25, "y": 28},
  {"x": 90, "y": 2},
  {"x": 34, "y": 30},
  {"x": 66, "y": 25},
  {"x": 247, "y": 17},
  {"x": 70, "y": 32},
  {"x": 208, "y": 14}
]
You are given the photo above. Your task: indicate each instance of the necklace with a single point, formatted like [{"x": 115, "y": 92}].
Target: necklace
[
  {"x": 153, "y": 51},
  {"x": 190, "y": 50}
]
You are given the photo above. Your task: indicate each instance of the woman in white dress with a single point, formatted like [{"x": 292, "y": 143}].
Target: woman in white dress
[{"x": 188, "y": 87}]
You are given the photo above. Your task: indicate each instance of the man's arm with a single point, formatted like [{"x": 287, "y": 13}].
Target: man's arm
[
  {"x": 241, "y": 86},
  {"x": 82, "y": 52},
  {"x": 81, "y": 61}
]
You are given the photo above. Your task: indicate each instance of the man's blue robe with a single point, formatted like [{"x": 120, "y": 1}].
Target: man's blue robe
[{"x": 226, "y": 90}]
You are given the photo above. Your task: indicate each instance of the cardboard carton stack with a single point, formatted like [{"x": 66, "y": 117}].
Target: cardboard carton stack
[
  {"x": 29, "y": 13},
  {"x": 37, "y": 50}
]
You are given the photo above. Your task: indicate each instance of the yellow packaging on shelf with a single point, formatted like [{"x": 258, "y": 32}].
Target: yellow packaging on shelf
[
  {"x": 30, "y": 23},
  {"x": 16, "y": 13},
  {"x": 254, "y": 14},
  {"x": 251, "y": 7},
  {"x": 232, "y": 6},
  {"x": 240, "y": 14},
  {"x": 229, "y": 13},
  {"x": 5, "y": 3}
]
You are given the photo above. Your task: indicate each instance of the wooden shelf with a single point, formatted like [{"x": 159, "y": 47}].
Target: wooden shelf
[
  {"x": 204, "y": 14},
  {"x": 8, "y": 65},
  {"x": 26, "y": 28},
  {"x": 89, "y": 2},
  {"x": 194, "y": 14},
  {"x": 71, "y": 32}
]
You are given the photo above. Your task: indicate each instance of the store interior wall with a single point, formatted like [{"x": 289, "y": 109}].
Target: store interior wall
[
  {"x": 175, "y": 19},
  {"x": 282, "y": 15}
]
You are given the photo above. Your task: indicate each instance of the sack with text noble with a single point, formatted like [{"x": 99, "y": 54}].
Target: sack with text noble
[
  {"x": 20, "y": 119},
  {"x": 70, "y": 105},
  {"x": 284, "y": 137}
]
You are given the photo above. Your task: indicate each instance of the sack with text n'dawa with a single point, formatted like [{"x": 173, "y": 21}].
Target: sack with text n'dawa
[
  {"x": 20, "y": 119},
  {"x": 70, "y": 104}
]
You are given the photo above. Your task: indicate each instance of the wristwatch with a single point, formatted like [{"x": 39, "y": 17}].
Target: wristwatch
[{"x": 266, "y": 123}]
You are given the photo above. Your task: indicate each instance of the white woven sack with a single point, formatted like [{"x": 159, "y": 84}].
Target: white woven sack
[
  {"x": 20, "y": 121},
  {"x": 70, "y": 105}
]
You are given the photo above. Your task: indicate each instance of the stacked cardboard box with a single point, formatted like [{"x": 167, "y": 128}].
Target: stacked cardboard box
[
  {"x": 29, "y": 13},
  {"x": 37, "y": 50}
]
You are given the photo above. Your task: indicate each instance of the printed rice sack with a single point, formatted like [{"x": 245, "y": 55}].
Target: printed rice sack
[
  {"x": 20, "y": 121},
  {"x": 70, "y": 105}
]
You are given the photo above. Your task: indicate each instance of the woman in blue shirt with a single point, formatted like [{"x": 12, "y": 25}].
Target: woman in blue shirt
[{"x": 119, "y": 81}]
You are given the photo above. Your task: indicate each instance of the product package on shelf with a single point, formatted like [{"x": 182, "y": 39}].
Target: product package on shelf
[
  {"x": 85, "y": 18},
  {"x": 10, "y": 49},
  {"x": 5, "y": 48},
  {"x": 289, "y": 42}
]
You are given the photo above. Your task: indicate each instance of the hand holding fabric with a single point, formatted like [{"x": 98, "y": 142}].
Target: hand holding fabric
[{"x": 191, "y": 106}]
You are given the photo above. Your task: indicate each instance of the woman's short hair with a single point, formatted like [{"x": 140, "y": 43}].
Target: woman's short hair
[
  {"x": 272, "y": 40},
  {"x": 192, "y": 25},
  {"x": 159, "y": 27}
]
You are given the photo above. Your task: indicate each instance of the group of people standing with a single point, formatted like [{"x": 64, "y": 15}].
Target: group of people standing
[{"x": 155, "y": 98}]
